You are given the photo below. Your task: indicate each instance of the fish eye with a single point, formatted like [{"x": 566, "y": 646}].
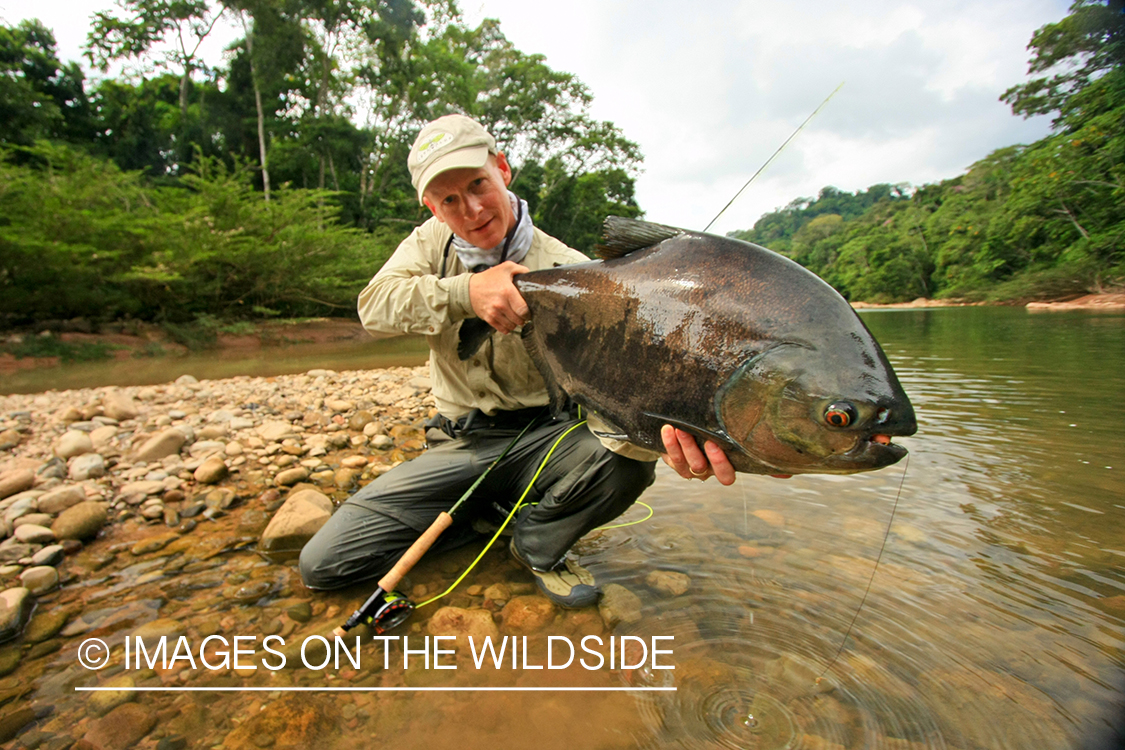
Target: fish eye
[{"x": 840, "y": 414}]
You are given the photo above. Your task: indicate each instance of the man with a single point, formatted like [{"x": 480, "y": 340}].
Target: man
[{"x": 458, "y": 265}]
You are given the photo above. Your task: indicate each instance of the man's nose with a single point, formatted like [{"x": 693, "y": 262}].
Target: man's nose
[{"x": 472, "y": 205}]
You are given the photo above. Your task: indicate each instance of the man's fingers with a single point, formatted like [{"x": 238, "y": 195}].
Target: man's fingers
[
  {"x": 673, "y": 452},
  {"x": 720, "y": 464},
  {"x": 671, "y": 445},
  {"x": 696, "y": 461}
]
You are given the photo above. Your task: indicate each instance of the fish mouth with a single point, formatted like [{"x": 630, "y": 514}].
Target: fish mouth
[{"x": 877, "y": 450}]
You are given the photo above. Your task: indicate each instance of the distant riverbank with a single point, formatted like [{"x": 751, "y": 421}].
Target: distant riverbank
[{"x": 1100, "y": 301}]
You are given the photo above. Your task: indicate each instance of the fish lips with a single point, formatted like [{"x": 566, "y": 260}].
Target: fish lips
[{"x": 872, "y": 454}]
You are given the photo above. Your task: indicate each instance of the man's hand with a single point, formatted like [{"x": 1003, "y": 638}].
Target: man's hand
[
  {"x": 682, "y": 453},
  {"x": 495, "y": 298}
]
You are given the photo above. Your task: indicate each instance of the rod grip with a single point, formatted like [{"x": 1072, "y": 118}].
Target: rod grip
[{"x": 414, "y": 554}]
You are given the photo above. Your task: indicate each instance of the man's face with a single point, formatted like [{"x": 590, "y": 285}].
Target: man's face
[{"x": 474, "y": 202}]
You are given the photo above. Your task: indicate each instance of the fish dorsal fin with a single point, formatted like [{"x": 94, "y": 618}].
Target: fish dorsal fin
[{"x": 622, "y": 236}]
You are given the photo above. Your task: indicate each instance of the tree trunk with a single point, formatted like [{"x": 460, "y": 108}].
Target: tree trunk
[{"x": 258, "y": 104}]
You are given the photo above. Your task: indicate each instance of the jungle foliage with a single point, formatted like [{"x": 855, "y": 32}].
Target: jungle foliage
[
  {"x": 275, "y": 184},
  {"x": 1025, "y": 222}
]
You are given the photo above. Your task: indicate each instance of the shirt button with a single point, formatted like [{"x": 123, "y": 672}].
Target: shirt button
[
  {"x": 431, "y": 329},
  {"x": 476, "y": 363},
  {"x": 480, "y": 394}
]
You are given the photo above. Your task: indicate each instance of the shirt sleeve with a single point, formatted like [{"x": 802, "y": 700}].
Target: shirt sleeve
[{"x": 407, "y": 296}]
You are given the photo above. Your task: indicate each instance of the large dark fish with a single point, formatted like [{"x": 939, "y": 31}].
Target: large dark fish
[{"x": 726, "y": 340}]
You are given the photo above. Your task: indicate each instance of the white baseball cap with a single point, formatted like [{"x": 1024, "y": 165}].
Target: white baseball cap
[{"x": 450, "y": 142}]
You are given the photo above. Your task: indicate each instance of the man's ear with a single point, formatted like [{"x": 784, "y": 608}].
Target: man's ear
[
  {"x": 504, "y": 167},
  {"x": 432, "y": 210}
]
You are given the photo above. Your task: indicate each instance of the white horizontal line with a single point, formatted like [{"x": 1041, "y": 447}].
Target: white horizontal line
[{"x": 373, "y": 689}]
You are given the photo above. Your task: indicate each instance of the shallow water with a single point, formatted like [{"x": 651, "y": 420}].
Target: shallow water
[
  {"x": 996, "y": 618},
  {"x": 282, "y": 359}
]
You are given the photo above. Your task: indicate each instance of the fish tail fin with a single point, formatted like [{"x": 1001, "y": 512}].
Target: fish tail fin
[
  {"x": 555, "y": 393},
  {"x": 474, "y": 332},
  {"x": 621, "y": 236}
]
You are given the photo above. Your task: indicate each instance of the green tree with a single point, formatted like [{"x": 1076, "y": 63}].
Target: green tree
[
  {"x": 145, "y": 24},
  {"x": 1075, "y": 52},
  {"x": 39, "y": 96}
]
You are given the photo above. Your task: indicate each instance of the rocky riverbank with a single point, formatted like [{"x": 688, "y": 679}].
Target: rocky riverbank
[{"x": 179, "y": 509}]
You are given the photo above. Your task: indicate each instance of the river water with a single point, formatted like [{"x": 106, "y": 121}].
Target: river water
[{"x": 995, "y": 618}]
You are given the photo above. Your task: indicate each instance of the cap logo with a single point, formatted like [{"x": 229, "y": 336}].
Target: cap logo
[{"x": 432, "y": 145}]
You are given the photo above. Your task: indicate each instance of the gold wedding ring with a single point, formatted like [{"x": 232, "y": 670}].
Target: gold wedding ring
[{"x": 697, "y": 474}]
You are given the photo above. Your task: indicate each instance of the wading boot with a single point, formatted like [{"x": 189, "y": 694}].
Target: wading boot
[{"x": 568, "y": 584}]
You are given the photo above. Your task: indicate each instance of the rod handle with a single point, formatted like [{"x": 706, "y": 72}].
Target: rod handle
[{"x": 414, "y": 554}]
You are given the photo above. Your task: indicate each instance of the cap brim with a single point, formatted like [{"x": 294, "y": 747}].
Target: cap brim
[{"x": 465, "y": 158}]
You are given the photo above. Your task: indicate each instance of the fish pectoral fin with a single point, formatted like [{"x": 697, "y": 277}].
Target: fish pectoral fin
[
  {"x": 555, "y": 393},
  {"x": 474, "y": 332},
  {"x": 622, "y": 236},
  {"x": 721, "y": 439}
]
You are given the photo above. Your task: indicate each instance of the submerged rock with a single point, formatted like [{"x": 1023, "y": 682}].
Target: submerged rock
[
  {"x": 121, "y": 728},
  {"x": 668, "y": 582},
  {"x": 619, "y": 604},
  {"x": 103, "y": 701},
  {"x": 291, "y": 721},
  {"x": 525, "y": 615},
  {"x": 463, "y": 623}
]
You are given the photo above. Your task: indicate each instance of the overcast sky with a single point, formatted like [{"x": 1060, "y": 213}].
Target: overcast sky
[{"x": 709, "y": 94}]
